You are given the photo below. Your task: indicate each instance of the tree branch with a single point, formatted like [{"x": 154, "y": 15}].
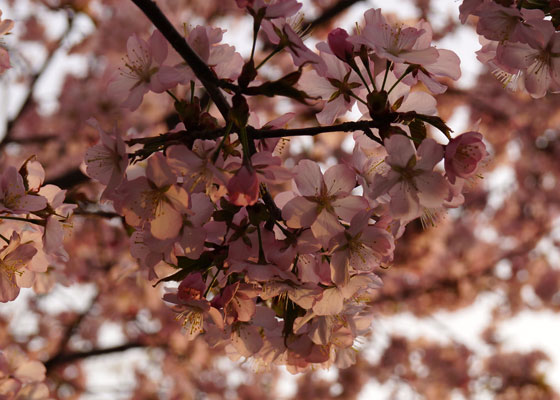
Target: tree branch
[
  {"x": 65, "y": 358},
  {"x": 32, "y": 84},
  {"x": 182, "y": 136},
  {"x": 199, "y": 67}
]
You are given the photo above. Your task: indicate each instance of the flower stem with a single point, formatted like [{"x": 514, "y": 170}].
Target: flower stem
[
  {"x": 226, "y": 135},
  {"x": 31, "y": 221},
  {"x": 169, "y": 92},
  {"x": 400, "y": 79},
  {"x": 276, "y": 50},
  {"x": 386, "y": 73}
]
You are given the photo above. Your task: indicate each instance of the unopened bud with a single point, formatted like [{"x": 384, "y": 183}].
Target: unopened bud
[{"x": 340, "y": 46}]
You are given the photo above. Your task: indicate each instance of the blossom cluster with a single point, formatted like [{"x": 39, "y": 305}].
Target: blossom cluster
[
  {"x": 284, "y": 276},
  {"x": 33, "y": 218},
  {"x": 21, "y": 378},
  {"x": 520, "y": 42}
]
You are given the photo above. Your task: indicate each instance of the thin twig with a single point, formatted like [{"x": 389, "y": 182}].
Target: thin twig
[
  {"x": 199, "y": 67},
  {"x": 32, "y": 84}
]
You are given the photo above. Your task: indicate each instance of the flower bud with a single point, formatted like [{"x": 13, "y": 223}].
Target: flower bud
[
  {"x": 340, "y": 46},
  {"x": 243, "y": 187}
]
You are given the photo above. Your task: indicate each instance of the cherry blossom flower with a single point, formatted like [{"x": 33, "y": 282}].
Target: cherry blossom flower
[
  {"x": 13, "y": 196},
  {"x": 107, "y": 160},
  {"x": 281, "y": 33},
  {"x": 324, "y": 198},
  {"x": 144, "y": 70},
  {"x": 360, "y": 248},
  {"x": 447, "y": 64},
  {"x": 154, "y": 198},
  {"x": 463, "y": 155},
  {"x": 411, "y": 182},
  {"x": 192, "y": 307},
  {"x": 540, "y": 66},
  {"x": 53, "y": 234},
  {"x": 13, "y": 258},
  {"x": 238, "y": 302},
  {"x": 394, "y": 43},
  {"x": 20, "y": 377},
  {"x": 335, "y": 85},
  {"x": 333, "y": 300},
  {"x": 195, "y": 167},
  {"x": 500, "y": 23},
  {"x": 221, "y": 58}
]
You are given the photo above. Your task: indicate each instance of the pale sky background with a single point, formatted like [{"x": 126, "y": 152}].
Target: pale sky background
[{"x": 110, "y": 376}]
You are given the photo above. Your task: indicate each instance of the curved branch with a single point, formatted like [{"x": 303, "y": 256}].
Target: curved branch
[
  {"x": 199, "y": 67},
  {"x": 183, "y": 136},
  {"x": 32, "y": 84},
  {"x": 65, "y": 358}
]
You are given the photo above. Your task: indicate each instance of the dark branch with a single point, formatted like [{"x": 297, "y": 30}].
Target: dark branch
[
  {"x": 66, "y": 358},
  {"x": 199, "y": 67},
  {"x": 165, "y": 139},
  {"x": 32, "y": 84}
]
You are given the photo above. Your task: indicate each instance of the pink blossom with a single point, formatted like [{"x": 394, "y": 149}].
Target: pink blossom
[
  {"x": 277, "y": 8},
  {"x": 20, "y": 377},
  {"x": 13, "y": 196},
  {"x": 107, "y": 160},
  {"x": 360, "y": 248},
  {"x": 143, "y": 71},
  {"x": 500, "y": 23},
  {"x": 333, "y": 300},
  {"x": 280, "y": 32},
  {"x": 53, "y": 234},
  {"x": 324, "y": 199},
  {"x": 191, "y": 306},
  {"x": 411, "y": 182},
  {"x": 334, "y": 84},
  {"x": 447, "y": 64},
  {"x": 394, "y": 43},
  {"x": 13, "y": 258},
  {"x": 237, "y": 301},
  {"x": 155, "y": 198},
  {"x": 468, "y": 7},
  {"x": 195, "y": 167},
  {"x": 540, "y": 65},
  {"x": 303, "y": 295},
  {"x": 221, "y": 58},
  {"x": 463, "y": 155}
]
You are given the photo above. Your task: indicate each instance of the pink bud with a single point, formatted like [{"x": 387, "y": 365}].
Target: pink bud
[
  {"x": 243, "y": 188},
  {"x": 339, "y": 44}
]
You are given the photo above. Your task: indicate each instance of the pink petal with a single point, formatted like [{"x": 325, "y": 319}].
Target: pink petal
[
  {"x": 309, "y": 179},
  {"x": 340, "y": 180},
  {"x": 299, "y": 212},
  {"x": 331, "y": 303},
  {"x": 325, "y": 227}
]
